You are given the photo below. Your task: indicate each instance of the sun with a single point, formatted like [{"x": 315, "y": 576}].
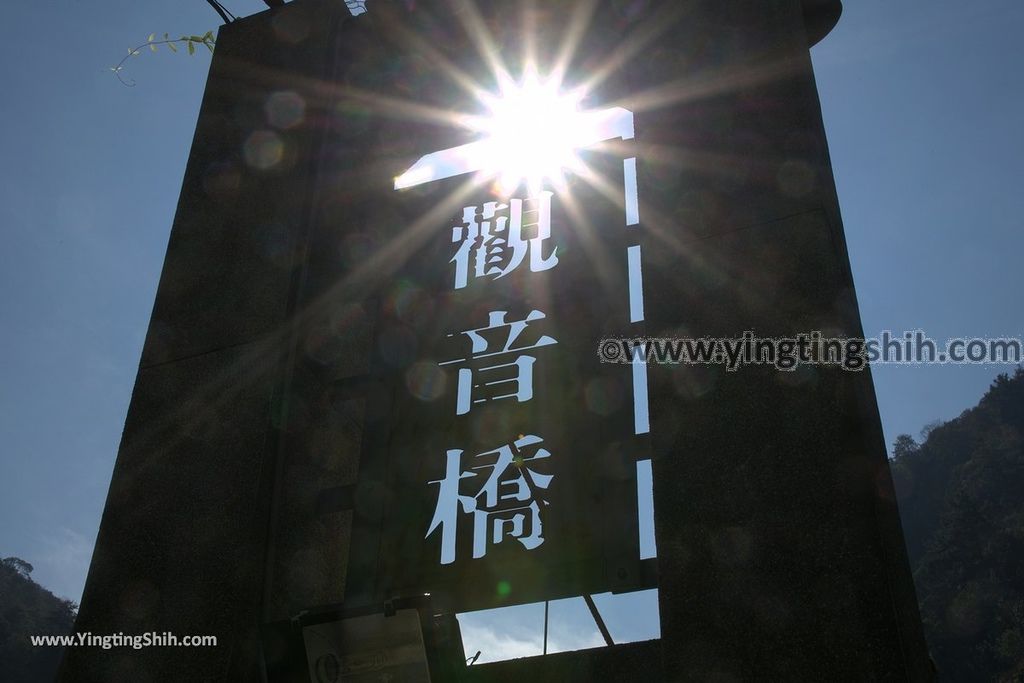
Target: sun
[
  {"x": 530, "y": 132},
  {"x": 533, "y": 133}
]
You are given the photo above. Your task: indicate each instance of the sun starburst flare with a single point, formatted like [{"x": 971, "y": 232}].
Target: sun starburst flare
[{"x": 534, "y": 133}]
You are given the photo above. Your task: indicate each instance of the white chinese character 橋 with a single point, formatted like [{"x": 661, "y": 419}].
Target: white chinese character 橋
[
  {"x": 507, "y": 503},
  {"x": 493, "y": 244},
  {"x": 519, "y": 384}
]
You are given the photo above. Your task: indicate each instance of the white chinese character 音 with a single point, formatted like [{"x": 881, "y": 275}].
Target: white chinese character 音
[{"x": 504, "y": 378}]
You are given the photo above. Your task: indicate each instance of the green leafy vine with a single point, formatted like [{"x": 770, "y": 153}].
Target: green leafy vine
[{"x": 189, "y": 42}]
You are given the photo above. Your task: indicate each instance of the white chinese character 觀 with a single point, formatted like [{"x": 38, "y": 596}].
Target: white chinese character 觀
[
  {"x": 507, "y": 502},
  {"x": 495, "y": 238}
]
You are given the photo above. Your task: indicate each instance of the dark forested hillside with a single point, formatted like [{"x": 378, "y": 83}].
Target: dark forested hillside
[
  {"x": 26, "y": 608},
  {"x": 961, "y": 495}
]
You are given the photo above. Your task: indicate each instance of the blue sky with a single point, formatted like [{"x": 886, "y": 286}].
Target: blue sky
[{"x": 921, "y": 101}]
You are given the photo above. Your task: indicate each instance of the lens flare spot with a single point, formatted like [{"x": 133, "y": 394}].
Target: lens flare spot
[
  {"x": 264, "y": 150},
  {"x": 322, "y": 347},
  {"x": 403, "y": 299},
  {"x": 410, "y": 303},
  {"x": 425, "y": 380},
  {"x": 493, "y": 421},
  {"x": 357, "y": 248},
  {"x": 291, "y": 27},
  {"x": 796, "y": 178},
  {"x": 285, "y": 109},
  {"x": 221, "y": 180}
]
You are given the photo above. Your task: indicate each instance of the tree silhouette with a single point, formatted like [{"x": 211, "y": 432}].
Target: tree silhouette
[
  {"x": 28, "y": 609},
  {"x": 960, "y": 494}
]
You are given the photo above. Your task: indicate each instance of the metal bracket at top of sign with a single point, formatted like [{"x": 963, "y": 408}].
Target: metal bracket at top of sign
[{"x": 596, "y": 127}]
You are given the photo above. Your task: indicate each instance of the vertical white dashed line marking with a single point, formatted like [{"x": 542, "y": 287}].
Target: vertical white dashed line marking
[
  {"x": 641, "y": 414},
  {"x": 632, "y": 203},
  {"x": 645, "y": 508},
  {"x": 636, "y": 284}
]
